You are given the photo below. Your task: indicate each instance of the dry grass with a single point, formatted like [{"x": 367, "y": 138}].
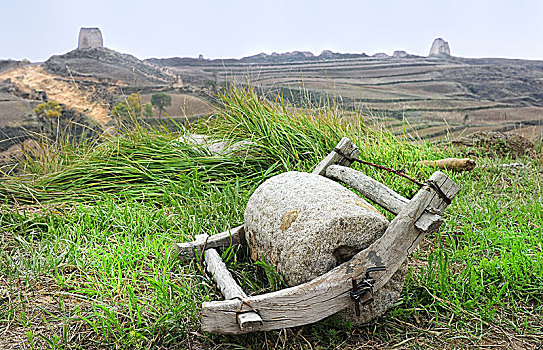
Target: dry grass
[{"x": 59, "y": 89}]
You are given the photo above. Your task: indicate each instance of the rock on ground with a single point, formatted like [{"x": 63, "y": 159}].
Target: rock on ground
[
  {"x": 305, "y": 225},
  {"x": 221, "y": 148}
]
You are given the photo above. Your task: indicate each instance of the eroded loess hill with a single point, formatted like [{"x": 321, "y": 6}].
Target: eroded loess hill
[
  {"x": 28, "y": 79},
  {"x": 439, "y": 96},
  {"x": 112, "y": 66}
]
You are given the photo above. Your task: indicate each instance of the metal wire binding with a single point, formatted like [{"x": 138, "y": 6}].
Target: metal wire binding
[{"x": 401, "y": 173}]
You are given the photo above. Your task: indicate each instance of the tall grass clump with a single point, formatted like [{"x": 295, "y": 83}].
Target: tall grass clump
[
  {"x": 144, "y": 163},
  {"x": 298, "y": 138}
]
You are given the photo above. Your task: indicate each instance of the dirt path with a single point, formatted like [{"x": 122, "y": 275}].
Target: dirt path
[{"x": 63, "y": 91}]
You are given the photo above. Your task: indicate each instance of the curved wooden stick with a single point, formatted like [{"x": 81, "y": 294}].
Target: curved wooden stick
[
  {"x": 381, "y": 194},
  {"x": 325, "y": 295}
]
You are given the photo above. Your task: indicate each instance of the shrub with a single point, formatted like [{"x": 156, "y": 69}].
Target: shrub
[{"x": 129, "y": 109}]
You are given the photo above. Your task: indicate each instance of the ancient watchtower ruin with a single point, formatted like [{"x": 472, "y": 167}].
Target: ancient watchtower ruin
[
  {"x": 440, "y": 48},
  {"x": 90, "y": 37}
]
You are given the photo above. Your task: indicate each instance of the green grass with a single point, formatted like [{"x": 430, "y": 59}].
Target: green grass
[{"x": 85, "y": 258}]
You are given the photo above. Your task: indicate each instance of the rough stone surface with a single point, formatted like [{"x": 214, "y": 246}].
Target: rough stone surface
[
  {"x": 221, "y": 148},
  {"x": 400, "y": 54},
  {"x": 380, "y": 55},
  {"x": 383, "y": 299},
  {"x": 90, "y": 37},
  {"x": 9, "y": 64},
  {"x": 305, "y": 225},
  {"x": 494, "y": 143},
  {"x": 439, "y": 48}
]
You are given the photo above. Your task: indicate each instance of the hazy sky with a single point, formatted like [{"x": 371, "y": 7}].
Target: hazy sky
[{"x": 225, "y": 28}]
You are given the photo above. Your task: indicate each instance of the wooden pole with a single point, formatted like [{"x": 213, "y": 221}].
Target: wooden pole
[
  {"x": 249, "y": 320},
  {"x": 381, "y": 194}
]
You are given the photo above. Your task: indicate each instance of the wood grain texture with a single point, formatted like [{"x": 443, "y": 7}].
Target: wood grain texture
[
  {"x": 247, "y": 321},
  {"x": 381, "y": 194},
  {"x": 329, "y": 293},
  {"x": 370, "y": 188},
  {"x": 222, "y": 277},
  {"x": 188, "y": 250},
  {"x": 346, "y": 147},
  {"x": 463, "y": 164}
]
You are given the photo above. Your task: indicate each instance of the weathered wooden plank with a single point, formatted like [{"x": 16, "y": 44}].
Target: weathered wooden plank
[
  {"x": 329, "y": 293},
  {"x": 247, "y": 321},
  {"x": 381, "y": 194},
  {"x": 450, "y": 189},
  {"x": 222, "y": 277},
  {"x": 188, "y": 250},
  {"x": 346, "y": 147},
  {"x": 370, "y": 188}
]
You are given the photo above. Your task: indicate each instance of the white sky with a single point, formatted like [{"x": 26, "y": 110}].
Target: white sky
[{"x": 225, "y": 28}]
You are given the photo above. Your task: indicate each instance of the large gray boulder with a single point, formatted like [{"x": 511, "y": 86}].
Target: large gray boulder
[{"x": 305, "y": 225}]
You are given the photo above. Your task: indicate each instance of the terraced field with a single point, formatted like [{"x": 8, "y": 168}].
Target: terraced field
[{"x": 438, "y": 97}]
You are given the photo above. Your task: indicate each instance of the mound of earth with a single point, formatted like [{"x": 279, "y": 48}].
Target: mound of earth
[
  {"x": 496, "y": 143},
  {"x": 35, "y": 85},
  {"x": 8, "y": 64},
  {"x": 107, "y": 64},
  {"x": 17, "y": 118},
  {"x": 183, "y": 105}
]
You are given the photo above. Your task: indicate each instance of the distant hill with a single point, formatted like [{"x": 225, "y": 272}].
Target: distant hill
[
  {"x": 107, "y": 64},
  {"x": 87, "y": 83},
  {"x": 262, "y": 58},
  {"x": 440, "y": 96},
  {"x": 426, "y": 97},
  {"x": 8, "y": 64}
]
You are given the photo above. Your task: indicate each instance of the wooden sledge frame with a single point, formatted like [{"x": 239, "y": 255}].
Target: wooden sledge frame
[{"x": 330, "y": 293}]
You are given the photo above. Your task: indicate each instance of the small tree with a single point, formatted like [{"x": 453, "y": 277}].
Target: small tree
[
  {"x": 161, "y": 100},
  {"x": 48, "y": 110},
  {"x": 128, "y": 109},
  {"x": 148, "y": 110}
]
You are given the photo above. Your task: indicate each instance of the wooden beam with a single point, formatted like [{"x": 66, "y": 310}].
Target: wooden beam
[
  {"x": 346, "y": 147},
  {"x": 188, "y": 250},
  {"x": 381, "y": 194},
  {"x": 325, "y": 295},
  {"x": 247, "y": 321},
  {"x": 370, "y": 188}
]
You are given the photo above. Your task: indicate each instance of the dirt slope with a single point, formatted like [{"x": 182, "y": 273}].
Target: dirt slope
[{"x": 59, "y": 89}]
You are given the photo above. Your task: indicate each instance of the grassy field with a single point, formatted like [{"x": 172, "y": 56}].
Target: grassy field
[{"x": 86, "y": 235}]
